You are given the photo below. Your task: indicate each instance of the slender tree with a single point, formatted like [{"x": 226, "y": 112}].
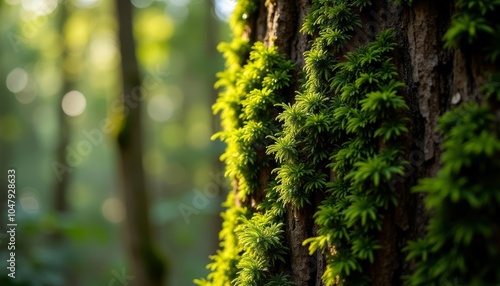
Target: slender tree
[
  {"x": 362, "y": 141},
  {"x": 62, "y": 180},
  {"x": 147, "y": 264}
]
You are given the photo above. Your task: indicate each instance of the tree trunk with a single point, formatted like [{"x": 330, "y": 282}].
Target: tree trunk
[
  {"x": 148, "y": 268},
  {"x": 436, "y": 79},
  {"x": 62, "y": 180}
]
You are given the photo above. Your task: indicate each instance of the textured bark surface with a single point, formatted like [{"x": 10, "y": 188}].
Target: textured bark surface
[{"x": 436, "y": 80}]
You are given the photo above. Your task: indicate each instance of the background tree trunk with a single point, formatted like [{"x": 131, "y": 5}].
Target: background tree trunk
[
  {"x": 148, "y": 268},
  {"x": 62, "y": 180}
]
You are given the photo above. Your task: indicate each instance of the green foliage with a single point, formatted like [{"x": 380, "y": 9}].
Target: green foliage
[
  {"x": 462, "y": 238},
  {"x": 251, "y": 248},
  {"x": 260, "y": 237},
  {"x": 243, "y": 10},
  {"x": 280, "y": 280},
  {"x": 261, "y": 240},
  {"x": 461, "y": 243},
  {"x": 476, "y": 22},
  {"x": 492, "y": 87}
]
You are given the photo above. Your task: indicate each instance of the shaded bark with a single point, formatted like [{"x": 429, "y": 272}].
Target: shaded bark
[{"x": 147, "y": 265}]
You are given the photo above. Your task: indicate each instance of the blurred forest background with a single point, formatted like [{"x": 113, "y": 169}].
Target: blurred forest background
[{"x": 60, "y": 73}]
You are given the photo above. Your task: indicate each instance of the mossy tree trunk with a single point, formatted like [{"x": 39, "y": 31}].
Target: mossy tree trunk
[{"x": 329, "y": 202}]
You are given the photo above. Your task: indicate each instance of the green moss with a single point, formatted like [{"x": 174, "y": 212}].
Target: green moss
[
  {"x": 250, "y": 88},
  {"x": 340, "y": 138},
  {"x": 461, "y": 244},
  {"x": 261, "y": 239},
  {"x": 476, "y": 23},
  {"x": 346, "y": 119},
  {"x": 248, "y": 109},
  {"x": 367, "y": 119},
  {"x": 462, "y": 236}
]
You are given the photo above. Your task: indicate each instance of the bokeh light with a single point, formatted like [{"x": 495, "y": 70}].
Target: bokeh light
[
  {"x": 77, "y": 30},
  {"x": 103, "y": 52},
  {"x": 160, "y": 108},
  {"x": 113, "y": 210},
  {"x": 39, "y": 7},
  {"x": 74, "y": 103},
  {"x": 224, "y": 8},
  {"x": 17, "y": 80},
  {"x": 29, "y": 200}
]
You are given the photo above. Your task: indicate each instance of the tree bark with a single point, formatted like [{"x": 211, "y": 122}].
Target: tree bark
[{"x": 148, "y": 268}]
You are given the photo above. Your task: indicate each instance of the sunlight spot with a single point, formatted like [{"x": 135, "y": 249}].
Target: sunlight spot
[
  {"x": 30, "y": 200},
  {"x": 113, "y": 210},
  {"x": 39, "y": 7},
  {"x": 103, "y": 53},
  {"x": 74, "y": 103},
  {"x": 224, "y": 8},
  {"x": 152, "y": 26},
  {"x": 77, "y": 30},
  {"x": 17, "y": 80},
  {"x": 160, "y": 108}
]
